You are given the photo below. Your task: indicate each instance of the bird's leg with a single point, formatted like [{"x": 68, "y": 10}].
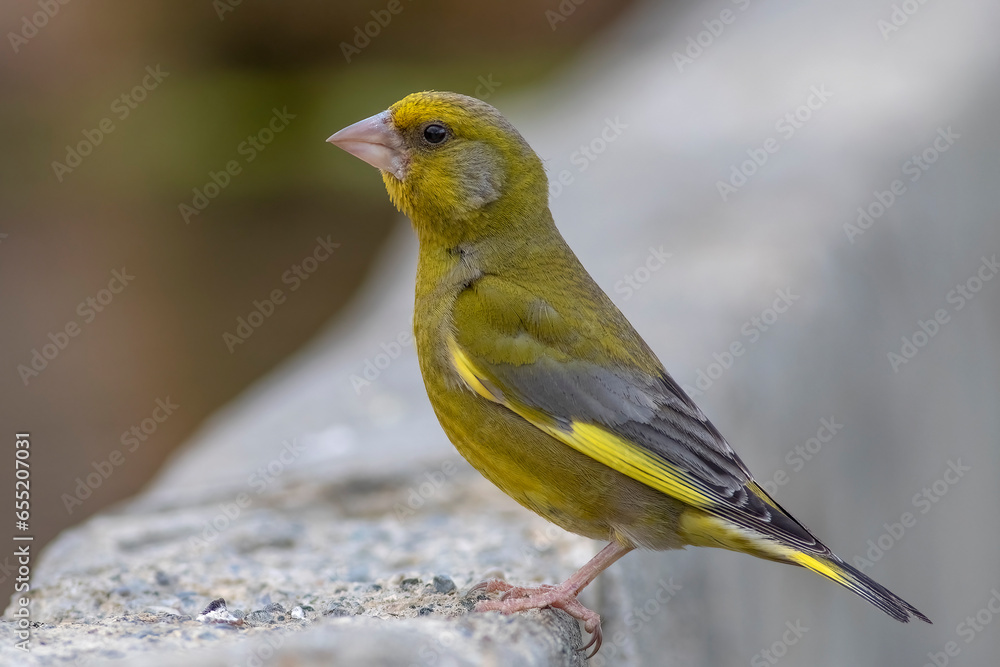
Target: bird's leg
[{"x": 563, "y": 596}]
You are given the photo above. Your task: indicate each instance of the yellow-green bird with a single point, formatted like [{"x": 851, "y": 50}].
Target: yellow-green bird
[{"x": 540, "y": 381}]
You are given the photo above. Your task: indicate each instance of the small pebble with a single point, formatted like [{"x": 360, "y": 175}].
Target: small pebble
[
  {"x": 217, "y": 612},
  {"x": 259, "y": 617},
  {"x": 350, "y": 608},
  {"x": 164, "y": 611},
  {"x": 443, "y": 584},
  {"x": 276, "y": 609}
]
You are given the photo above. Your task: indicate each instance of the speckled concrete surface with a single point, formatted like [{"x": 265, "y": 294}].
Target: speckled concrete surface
[{"x": 313, "y": 572}]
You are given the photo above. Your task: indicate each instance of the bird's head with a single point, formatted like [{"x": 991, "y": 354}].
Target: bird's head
[{"x": 447, "y": 158}]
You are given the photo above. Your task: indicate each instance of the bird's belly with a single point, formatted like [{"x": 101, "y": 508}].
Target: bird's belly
[{"x": 554, "y": 480}]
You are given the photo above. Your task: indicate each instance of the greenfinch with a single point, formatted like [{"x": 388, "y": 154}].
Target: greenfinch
[{"x": 540, "y": 381}]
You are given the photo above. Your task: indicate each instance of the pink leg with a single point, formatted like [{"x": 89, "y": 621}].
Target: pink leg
[{"x": 563, "y": 596}]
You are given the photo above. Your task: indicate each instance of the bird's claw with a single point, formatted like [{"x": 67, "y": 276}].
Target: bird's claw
[
  {"x": 596, "y": 639},
  {"x": 517, "y": 598}
]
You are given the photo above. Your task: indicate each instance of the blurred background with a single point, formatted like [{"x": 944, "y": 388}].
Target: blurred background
[
  {"x": 816, "y": 183},
  {"x": 222, "y": 69}
]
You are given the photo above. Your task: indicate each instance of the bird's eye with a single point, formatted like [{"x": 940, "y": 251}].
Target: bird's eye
[{"x": 435, "y": 134}]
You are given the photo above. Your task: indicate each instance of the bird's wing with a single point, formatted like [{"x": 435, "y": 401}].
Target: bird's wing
[{"x": 510, "y": 347}]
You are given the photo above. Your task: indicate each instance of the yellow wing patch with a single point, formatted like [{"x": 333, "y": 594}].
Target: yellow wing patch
[
  {"x": 629, "y": 459},
  {"x": 593, "y": 441},
  {"x": 819, "y": 567},
  {"x": 467, "y": 371}
]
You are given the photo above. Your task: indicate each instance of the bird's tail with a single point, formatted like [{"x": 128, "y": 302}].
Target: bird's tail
[
  {"x": 852, "y": 578},
  {"x": 781, "y": 538}
]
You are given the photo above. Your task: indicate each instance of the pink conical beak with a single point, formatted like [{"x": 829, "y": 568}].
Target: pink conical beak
[{"x": 375, "y": 141}]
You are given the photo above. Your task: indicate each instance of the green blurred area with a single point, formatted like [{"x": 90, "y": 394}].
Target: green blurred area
[{"x": 193, "y": 122}]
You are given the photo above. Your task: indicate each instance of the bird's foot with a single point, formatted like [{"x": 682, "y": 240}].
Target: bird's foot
[
  {"x": 518, "y": 598},
  {"x": 509, "y": 590}
]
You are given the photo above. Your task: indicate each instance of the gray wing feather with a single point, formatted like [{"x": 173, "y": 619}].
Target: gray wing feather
[
  {"x": 655, "y": 413},
  {"x": 650, "y": 411}
]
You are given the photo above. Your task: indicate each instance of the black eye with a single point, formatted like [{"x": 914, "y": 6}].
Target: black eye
[{"x": 435, "y": 134}]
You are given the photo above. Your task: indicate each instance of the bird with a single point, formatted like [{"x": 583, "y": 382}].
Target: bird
[{"x": 540, "y": 381}]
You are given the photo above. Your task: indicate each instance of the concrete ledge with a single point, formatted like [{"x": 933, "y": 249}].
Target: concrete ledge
[{"x": 316, "y": 573}]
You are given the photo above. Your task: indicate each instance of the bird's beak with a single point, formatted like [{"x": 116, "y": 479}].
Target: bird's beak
[{"x": 375, "y": 141}]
